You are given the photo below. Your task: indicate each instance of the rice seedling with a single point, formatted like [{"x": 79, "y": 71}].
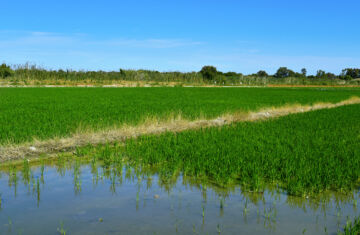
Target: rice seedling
[
  {"x": 33, "y": 184},
  {"x": 176, "y": 225},
  {"x": 245, "y": 210},
  {"x": 42, "y": 168},
  {"x": 218, "y": 228},
  {"x": 38, "y": 192},
  {"x": 26, "y": 172},
  {"x": 351, "y": 228},
  {"x": 10, "y": 224},
  {"x": 61, "y": 230},
  {"x": 13, "y": 179},
  {"x": 77, "y": 176}
]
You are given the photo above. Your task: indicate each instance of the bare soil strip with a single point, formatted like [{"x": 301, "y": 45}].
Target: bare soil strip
[{"x": 176, "y": 124}]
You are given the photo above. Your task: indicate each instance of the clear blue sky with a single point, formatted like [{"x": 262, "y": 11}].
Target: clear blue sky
[{"x": 233, "y": 35}]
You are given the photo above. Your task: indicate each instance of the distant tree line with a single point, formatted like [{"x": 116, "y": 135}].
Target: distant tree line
[{"x": 208, "y": 74}]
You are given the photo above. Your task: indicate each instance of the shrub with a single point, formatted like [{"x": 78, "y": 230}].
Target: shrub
[{"x": 208, "y": 72}]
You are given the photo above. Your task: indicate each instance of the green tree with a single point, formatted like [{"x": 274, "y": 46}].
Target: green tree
[
  {"x": 262, "y": 73},
  {"x": 304, "y": 72},
  {"x": 331, "y": 76},
  {"x": 231, "y": 74},
  {"x": 208, "y": 72},
  {"x": 353, "y": 73},
  {"x": 284, "y": 72},
  {"x": 5, "y": 71},
  {"x": 320, "y": 74}
]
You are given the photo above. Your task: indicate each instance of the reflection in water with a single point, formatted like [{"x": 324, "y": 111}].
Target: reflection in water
[{"x": 175, "y": 203}]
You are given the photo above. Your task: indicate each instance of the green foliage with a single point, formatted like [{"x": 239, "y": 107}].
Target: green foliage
[
  {"x": 352, "y": 228},
  {"x": 320, "y": 73},
  {"x": 347, "y": 77},
  {"x": 262, "y": 73},
  {"x": 303, "y": 72},
  {"x": 208, "y": 72},
  {"x": 323, "y": 75},
  {"x": 284, "y": 72},
  {"x": 47, "y": 112},
  {"x": 303, "y": 153},
  {"x": 350, "y": 73},
  {"x": 232, "y": 74},
  {"x": 61, "y": 230},
  {"x": 5, "y": 71},
  {"x": 34, "y": 75}
]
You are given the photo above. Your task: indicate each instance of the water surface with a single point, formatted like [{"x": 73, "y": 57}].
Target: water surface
[{"x": 88, "y": 198}]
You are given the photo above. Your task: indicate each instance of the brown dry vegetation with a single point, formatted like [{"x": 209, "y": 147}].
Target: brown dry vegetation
[
  {"x": 310, "y": 86},
  {"x": 84, "y": 83},
  {"x": 124, "y": 83}
]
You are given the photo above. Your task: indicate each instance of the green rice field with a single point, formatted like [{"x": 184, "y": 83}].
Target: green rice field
[
  {"x": 43, "y": 113},
  {"x": 302, "y": 153},
  {"x": 295, "y": 174}
]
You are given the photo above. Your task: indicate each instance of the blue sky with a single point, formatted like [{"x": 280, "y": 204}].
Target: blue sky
[{"x": 242, "y": 36}]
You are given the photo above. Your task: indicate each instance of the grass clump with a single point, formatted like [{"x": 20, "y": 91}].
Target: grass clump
[
  {"x": 352, "y": 228},
  {"x": 303, "y": 153}
]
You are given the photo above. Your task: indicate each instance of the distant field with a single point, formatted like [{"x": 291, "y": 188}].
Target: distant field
[{"x": 48, "y": 112}]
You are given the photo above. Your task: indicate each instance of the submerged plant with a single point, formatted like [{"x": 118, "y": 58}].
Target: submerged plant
[
  {"x": 26, "y": 172},
  {"x": 42, "y": 171},
  {"x": 61, "y": 230},
  {"x": 352, "y": 228},
  {"x": 77, "y": 176},
  {"x": 218, "y": 228},
  {"x": 38, "y": 192},
  {"x": 13, "y": 178}
]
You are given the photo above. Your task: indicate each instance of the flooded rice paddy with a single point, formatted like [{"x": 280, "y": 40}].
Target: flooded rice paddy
[{"x": 73, "y": 197}]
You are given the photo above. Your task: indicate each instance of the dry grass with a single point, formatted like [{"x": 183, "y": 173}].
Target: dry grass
[
  {"x": 174, "y": 123},
  {"x": 84, "y": 83},
  {"x": 125, "y": 83},
  {"x": 313, "y": 86}
]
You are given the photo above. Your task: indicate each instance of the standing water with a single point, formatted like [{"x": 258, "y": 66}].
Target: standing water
[{"x": 70, "y": 197}]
